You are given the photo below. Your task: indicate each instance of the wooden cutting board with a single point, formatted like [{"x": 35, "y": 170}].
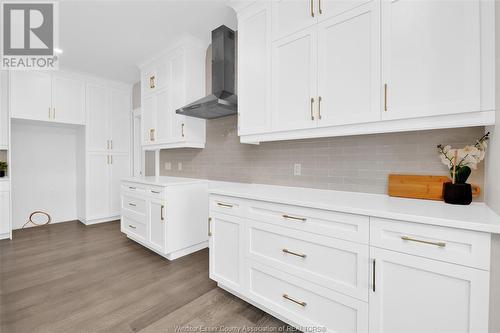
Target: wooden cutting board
[{"x": 418, "y": 187}]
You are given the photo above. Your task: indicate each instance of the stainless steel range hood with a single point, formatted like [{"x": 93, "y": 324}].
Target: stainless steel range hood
[{"x": 223, "y": 101}]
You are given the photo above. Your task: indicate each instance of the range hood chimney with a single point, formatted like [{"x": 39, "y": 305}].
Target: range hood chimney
[{"x": 223, "y": 101}]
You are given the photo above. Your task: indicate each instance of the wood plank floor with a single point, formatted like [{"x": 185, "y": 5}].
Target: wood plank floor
[{"x": 69, "y": 277}]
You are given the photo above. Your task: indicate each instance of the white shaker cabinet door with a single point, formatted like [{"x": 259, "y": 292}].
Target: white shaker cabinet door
[
  {"x": 157, "y": 222},
  {"x": 97, "y": 189},
  {"x": 30, "y": 95},
  {"x": 177, "y": 96},
  {"x": 294, "y": 81},
  {"x": 431, "y": 59},
  {"x": 349, "y": 67},
  {"x": 226, "y": 245},
  {"x": 290, "y": 16},
  {"x": 254, "y": 78},
  {"x": 120, "y": 121},
  {"x": 97, "y": 118},
  {"x": 148, "y": 120},
  {"x": 414, "y": 294},
  {"x": 119, "y": 169},
  {"x": 68, "y": 100},
  {"x": 164, "y": 115},
  {"x": 330, "y": 8}
]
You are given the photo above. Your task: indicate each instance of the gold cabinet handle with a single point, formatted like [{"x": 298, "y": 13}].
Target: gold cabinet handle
[
  {"x": 312, "y": 108},
  {"x": 107, "y": 144},
  {"x": 152, "y": 83},
  {"x": 286, "y": 216},
  {"x": 209, "y": 226},
  {"x": 131, "y": 226},
  {"x": 132, "y": 204},
  {"x": 224, "y": 205},
  {"x": 182, "y": 130},
  {"x": 152, "y": 134},
  {"x": 319, "y": 107},
  {"x": 53, "y": 113},
  {"x": 373, "y": 276},
  {"x": 131, "y": 187},
  {"x": 155, "y": 192},
  {"x": 319, "y": 7},
  {"x": 312, "y": 8},
  {"x": 50, "y": 114},
  {"x": 107, "y": 159},
  {"x": 161, "y": 213},
  {"x": 111, "y": 144},
  {"x": 385, "y": 97},
  {"x": 294, "y": 253},
  {"x": 406, "y": 238},
  {"x": 111, "y": 159},
  {"x": 285, "y": 296}
]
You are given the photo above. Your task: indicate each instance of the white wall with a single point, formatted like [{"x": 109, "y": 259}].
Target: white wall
[{"x": 44, "y": 177}]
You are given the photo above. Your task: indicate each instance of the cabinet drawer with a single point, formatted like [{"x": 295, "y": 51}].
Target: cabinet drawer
[
  {"x": 155, "y": 191},
  {"x": 133, "y": 188},
  {"x": 306, "y": 304},
  {"x": 464, "y": 247},
  {"x": 134, "y": 215},
  {"x": 332, "y": 263},
  {"x": 226, "y": 205},
  {"x": 135, "y": 204},
  {"x": 133, "y": 228},
  {"x": 333, "y": 224}
]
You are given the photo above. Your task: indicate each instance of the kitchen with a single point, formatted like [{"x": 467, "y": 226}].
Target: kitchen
[{"x": 265, "y": 165}]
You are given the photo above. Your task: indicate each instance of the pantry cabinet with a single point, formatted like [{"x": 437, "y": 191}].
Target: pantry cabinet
[
  {"x": 41, "y": 96},
  {"x": 172, "y": 81},
  {"x": 423, "y": 295},
  {"x": 360, "y": 67}
]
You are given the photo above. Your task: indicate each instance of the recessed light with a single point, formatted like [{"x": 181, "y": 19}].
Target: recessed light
[{"x": 58, "y": 51}]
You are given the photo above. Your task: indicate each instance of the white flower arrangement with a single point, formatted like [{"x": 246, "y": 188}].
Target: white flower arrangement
[{"x": 462, "y": 160}]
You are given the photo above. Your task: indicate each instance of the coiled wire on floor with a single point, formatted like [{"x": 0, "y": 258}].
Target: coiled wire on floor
[{"x": 30, "y": 220}]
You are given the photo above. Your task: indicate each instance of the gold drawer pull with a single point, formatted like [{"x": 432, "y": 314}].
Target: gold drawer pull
[
  {"x": 155, "y": 192},
  {"x": 161, "y": 213},
  {"x": 285, "y": 296},
  {"x": 312, "y": 108},
  {"x": 303, "y": 219},
  {"x": 440, "y": 244},
  {"x": 131, "y": 226},
  {"x": 131, "y": 188},
  {"x": 224, "y": 205},
  {"x": 132, "y": 204},
  {"x": 294, "y": 253},
  {"x": 209, "y": 227}
]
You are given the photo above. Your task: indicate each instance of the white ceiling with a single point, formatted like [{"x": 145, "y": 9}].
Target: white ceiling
[{"x": 109, "y": 38}]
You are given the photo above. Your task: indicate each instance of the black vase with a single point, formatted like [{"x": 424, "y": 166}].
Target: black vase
[
  {"x": 457, "y": 194},
  {"x": 2, "y": 173}
]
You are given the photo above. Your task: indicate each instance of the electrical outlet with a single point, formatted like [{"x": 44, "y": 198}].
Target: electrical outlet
[
  {"x": 297, "y": 169},
  {"x": 179, "y": 166},
  {"x": 168, "y": 166}
]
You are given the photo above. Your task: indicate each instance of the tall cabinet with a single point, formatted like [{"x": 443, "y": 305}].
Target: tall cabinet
[{"x": 108, "y": 144}]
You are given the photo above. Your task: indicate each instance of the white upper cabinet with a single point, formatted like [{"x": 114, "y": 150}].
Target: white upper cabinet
[
  {"x": 431, "y": 57},
  {"x": 31, "y": 95},
  {"x": 294, "y": 85},
  {"x": 108, "y": 119},
  {"x": 254, "y": 65},
  {"x": 290, "y": 16},
  {"x": 68, "y": 100},
  {"x": 47, "y": 97},
  {"x": 180, "y": 76},
  {"x": 361, "y": 67},
  {"x": 349, "y": 67}
]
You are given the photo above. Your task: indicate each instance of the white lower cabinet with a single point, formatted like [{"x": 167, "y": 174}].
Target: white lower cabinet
[
  {"x": 167, "y": 215},
  {"x": 318, "y": 269},
  {"x": 4, "y": 210},
  {"x": 226, "y": 247},
  {"x": 413, "y": 294}
]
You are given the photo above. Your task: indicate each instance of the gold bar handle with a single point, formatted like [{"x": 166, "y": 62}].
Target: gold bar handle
[
  {"x": 406, "y": 238},
  {"x": 131, "y": 226},
  {"x": 107, "y": 144},
  {"x": 50, "y": 115},
  {"x": 152, "y": 134},
  {"x": 111, "y": 144},
  {"x": 373, "y": 276},
  {"x": 312, "y": 108},
  {"x": 224, "y": 205},
  {"x": 152, "y": 83},
  {"x": 182, "y": 130},
  {"x": 53, "y": 113},
  {"x": 107, "y": 159},
  {"x": 385, "y": 97},
  {"x": 209, "y": 227},
  {"x": 161, "y": 213},
  {"x": 286, "y": 216},
  {"x": 132, "y": 204},
  {"x": 319, "y": 7},
  {"x": 111, "y": 159},
  {"x": 294, "y": 253},
  {"x": 155, "y": 192},
  {"x": 285, "y": 296},
  {"x": 131, "y": 187},
  {"x": 312, "y": 8},
  {"x": 319, "y": 107}
]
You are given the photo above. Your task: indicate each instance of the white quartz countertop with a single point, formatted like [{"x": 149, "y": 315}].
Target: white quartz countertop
[
  {"x": 477, "y": 216},
  {"x": 164, "y": 181}
]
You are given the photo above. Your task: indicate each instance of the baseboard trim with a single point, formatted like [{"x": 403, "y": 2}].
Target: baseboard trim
[
  {"x": 5, "y": 236},
  {"x": 101, "y": 220}
]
